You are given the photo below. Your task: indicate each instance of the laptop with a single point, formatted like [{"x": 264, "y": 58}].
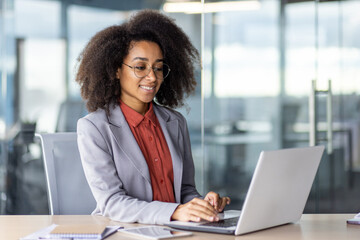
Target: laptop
[{"x": 277, "y": 195}]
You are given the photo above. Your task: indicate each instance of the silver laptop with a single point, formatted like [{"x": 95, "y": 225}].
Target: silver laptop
[{"x": 277, "y": 194}]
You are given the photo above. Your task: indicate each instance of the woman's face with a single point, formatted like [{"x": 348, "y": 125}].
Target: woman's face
[{"x": 137, "y": 92}]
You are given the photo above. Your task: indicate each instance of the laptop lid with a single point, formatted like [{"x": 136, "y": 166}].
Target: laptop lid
[
  {"x": 279, "y": 188},
  {"x": 278, "y": 191}
]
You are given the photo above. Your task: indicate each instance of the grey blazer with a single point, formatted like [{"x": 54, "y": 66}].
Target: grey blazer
[{"x": 118, "y": 174}]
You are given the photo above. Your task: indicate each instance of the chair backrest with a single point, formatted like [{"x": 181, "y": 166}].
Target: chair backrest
[
  {"x": 68, "y": 190},
  {"x": 69, "y": 112}
]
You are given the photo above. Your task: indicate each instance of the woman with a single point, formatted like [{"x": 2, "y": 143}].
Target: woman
[{"x": 136, "y": 153}]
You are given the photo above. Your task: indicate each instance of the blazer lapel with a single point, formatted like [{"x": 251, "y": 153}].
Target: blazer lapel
[
  {"x": 127, "y": 142},
  {"x": 170, "y": 129}
]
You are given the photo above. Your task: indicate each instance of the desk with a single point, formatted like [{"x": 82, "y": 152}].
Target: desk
[{"x": 311, "y": 226}]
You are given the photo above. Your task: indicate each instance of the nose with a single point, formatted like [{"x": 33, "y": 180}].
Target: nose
[{"x": 151, "y": 76}]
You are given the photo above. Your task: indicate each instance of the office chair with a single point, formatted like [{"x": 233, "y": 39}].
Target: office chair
[
  {"x": 68, "y": 190},
  {"x": 70, "y": 111}
]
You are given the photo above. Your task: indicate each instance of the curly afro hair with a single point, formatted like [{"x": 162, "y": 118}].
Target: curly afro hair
[{"x": 104, "y": 54}]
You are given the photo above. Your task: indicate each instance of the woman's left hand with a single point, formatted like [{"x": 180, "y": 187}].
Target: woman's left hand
[{"x": 216, "y": 201}]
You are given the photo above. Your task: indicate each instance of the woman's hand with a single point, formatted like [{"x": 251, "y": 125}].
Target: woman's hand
[
  {"x": 216, "y": 201},
  {"x": 195, "y": 210}
]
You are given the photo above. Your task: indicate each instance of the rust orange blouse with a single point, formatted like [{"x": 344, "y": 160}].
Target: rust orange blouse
[{"x": 150, "y": 138}]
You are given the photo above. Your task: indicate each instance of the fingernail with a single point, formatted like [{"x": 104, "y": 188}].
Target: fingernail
[{"x": 211, "y": 218}]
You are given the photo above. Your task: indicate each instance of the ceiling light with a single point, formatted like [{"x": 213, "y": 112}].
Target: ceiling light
[{"x": 198, "y": 7}]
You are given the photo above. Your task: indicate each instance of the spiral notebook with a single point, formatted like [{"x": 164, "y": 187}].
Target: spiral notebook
[
  {"x": 44, "y": 233},
  {"x": 78, "y": 231}
]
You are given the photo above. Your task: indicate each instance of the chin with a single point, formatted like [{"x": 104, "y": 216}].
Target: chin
[{"x": 147, "y": 100}]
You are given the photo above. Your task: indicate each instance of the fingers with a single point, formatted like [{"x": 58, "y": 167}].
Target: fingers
[
  {"x": 216, "y": 201},
  {"x": 197, "y": 216},
  {"x": 203, "y": 203},
  {"x": 202, "y": 209},
  {"x": 195, "y": 210},
  {"x": 213, "y": 198},
  {"x": 198, "y": 209},
  {"x": 223, "y": 202}
]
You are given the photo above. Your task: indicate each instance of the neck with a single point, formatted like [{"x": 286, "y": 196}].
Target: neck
[{"x": 141, "y": 108}]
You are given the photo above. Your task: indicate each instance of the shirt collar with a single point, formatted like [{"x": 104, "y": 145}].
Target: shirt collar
[{"x": 134, "y": 118}]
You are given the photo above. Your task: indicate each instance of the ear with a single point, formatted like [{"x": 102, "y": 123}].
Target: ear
[{"x": 118, "y": 73}]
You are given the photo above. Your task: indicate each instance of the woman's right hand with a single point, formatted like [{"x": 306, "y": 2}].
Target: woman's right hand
[{"x": 195, "y": 210}]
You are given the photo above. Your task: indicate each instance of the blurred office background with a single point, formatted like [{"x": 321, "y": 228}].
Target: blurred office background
[{"x": 260, "y": 59}]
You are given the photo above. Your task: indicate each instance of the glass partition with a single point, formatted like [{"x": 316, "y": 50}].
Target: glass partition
[
  {"x": 191, "y": 24},
  {"x": 319, "y": 49},
  {"x": 259, "y": 67},
  {"x": 83, "y": 23},
  {"x": 241, "y": 89},
  {"x": 6, "y": 74}
]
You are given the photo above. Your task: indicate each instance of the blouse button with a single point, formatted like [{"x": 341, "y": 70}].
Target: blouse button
[
  {"x": 161, "y": 181},
  {"x": 156, "y": 159},
  {"x": 150, "y": 138}
]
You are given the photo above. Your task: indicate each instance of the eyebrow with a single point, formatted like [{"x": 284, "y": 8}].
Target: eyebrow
[{"x": 146, "y": 59}]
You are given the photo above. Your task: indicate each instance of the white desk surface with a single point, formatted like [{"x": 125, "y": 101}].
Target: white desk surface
[{"x": 311, "y": 226}]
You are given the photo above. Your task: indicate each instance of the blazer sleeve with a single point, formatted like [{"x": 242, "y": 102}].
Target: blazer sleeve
[
  {"x": 188, "y": 188},
  {"x": 107, "y": 187}
]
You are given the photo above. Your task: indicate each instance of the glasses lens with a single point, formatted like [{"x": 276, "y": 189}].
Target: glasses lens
[
  {"x": 162, "y": 70},
  {"x": 142, "y": 69}
]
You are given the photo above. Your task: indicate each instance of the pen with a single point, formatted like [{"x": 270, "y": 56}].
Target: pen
[{"x": 354, "y": 221}]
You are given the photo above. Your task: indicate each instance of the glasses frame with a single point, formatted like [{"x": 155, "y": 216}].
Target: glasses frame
[{"x": 132, "y": 67}]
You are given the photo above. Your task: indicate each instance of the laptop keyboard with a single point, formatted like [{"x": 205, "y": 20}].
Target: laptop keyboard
[{"x": 224, "y": 223}]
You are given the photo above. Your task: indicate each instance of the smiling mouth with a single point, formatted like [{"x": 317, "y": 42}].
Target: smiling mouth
[{"x": 147, "y": 88}]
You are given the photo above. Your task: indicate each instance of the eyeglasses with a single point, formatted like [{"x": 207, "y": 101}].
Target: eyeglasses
[{"x": 142, "y": 69}]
